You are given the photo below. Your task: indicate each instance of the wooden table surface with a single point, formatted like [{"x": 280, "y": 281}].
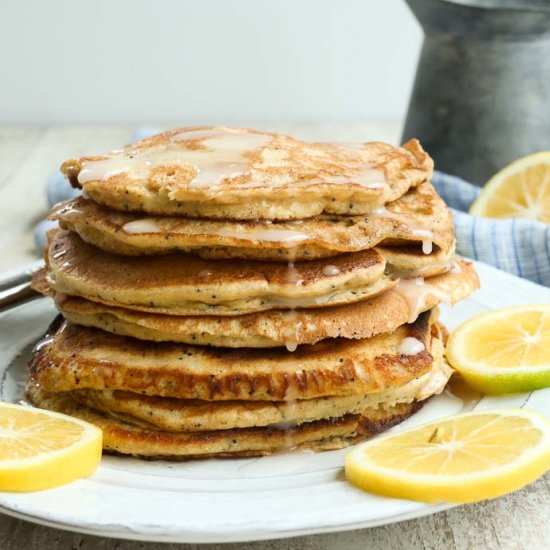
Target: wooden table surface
[{"x": 27, "y": 156}]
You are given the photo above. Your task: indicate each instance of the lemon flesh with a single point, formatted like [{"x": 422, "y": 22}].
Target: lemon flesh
[
  {"x": 504, "y": 351},
  {"x": 521, "y": 190},
  {"x": 463, "y": 458},
  {"x": 42, "y": 449}
]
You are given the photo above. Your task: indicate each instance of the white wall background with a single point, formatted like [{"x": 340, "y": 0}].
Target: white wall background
[{"x": 205, "y": 60}]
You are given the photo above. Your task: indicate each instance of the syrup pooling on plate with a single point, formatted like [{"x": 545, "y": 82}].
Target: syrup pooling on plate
[{"x": 416, "y": 291}]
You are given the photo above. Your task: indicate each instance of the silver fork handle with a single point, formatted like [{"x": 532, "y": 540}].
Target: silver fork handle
[
  {"x": 15, "y": 288},
  {"x": 18, "y": 296}
]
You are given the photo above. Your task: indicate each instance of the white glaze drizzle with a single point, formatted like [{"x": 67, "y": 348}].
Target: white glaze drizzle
[
  {"x": 291, "y": 336},
  {"x": 411, "y": 346},
  {"x": 205, "y": 133},
  {"x": 293, "y": 302},
  {"x": 436, "y": 382},
  {"x": 292, "y": 331},
  {"x": 416, "y": 292},
  {"x": 425, "y": 235},
  {"x": 349, "y": 145},
  {"x": 222, "y": 155},
  {"x": 268, "y": 235},
  {"x": 141, "y": 226},
  {"x": 59, "y": 298},
  {"x": 427, "y": 245},
  {"x": 456, "y": 267},
  {"x": 331, "y": 270},
  {"x": 369, "y": 178},
  {"x": 69, "y": 212},
  {"x": 292, "y": 276},
  {"x": 294, "y": 324},
  {"x": 215, "y": 154}
]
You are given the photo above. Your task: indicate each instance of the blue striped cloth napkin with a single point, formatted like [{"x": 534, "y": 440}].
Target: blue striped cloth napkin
[{"x": 521, "y": 247}]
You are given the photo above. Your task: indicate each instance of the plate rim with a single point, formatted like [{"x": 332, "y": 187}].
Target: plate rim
[{"x": 190, "y": 537}]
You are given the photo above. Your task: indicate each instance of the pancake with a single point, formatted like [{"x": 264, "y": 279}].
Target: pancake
[
  {"x": 179, "y": 415},
  {"x": 126, "y": 438},
  {"x": 218, "y": 172},
  {"x": 419, "y": 219},
  {"x": 74, "y": 357},
  {"x": 364, "y": 319},
  {"x": 187, "y": 285}
]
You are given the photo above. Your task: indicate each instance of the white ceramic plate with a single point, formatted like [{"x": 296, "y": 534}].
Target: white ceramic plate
[{"x": 233, "y": 499}]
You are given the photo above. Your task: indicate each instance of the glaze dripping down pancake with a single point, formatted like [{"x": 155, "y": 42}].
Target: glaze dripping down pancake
[
  {"x": 274, "y": 328},
  {"x": 419, "y": 219}
]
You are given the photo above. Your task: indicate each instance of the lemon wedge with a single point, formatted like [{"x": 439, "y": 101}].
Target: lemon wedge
[
  {"x": 504, "y": 351},
  {"x": 521, "y": 190},
  {"x": 463, "y": 458},
  {"x": 42, "y": 449}
]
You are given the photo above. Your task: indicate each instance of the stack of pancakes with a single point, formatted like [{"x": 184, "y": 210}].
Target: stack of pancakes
[{"x": 227, "y": 292}]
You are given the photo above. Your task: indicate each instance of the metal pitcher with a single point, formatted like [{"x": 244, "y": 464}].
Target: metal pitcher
[{"x": 481, "y": 97}]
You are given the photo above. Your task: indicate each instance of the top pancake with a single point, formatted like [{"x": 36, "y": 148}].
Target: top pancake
[
  {"x": 235, "y": 173},
  {"x": 419, "y": 219}
]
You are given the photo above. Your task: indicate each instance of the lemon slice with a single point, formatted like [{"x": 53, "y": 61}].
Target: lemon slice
[
  {"x": 42, "y": 449},
  {"x": 463, "y": 458},
  {"x": 504, "y": 351},
  {"x": 521, "y": 190}
]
